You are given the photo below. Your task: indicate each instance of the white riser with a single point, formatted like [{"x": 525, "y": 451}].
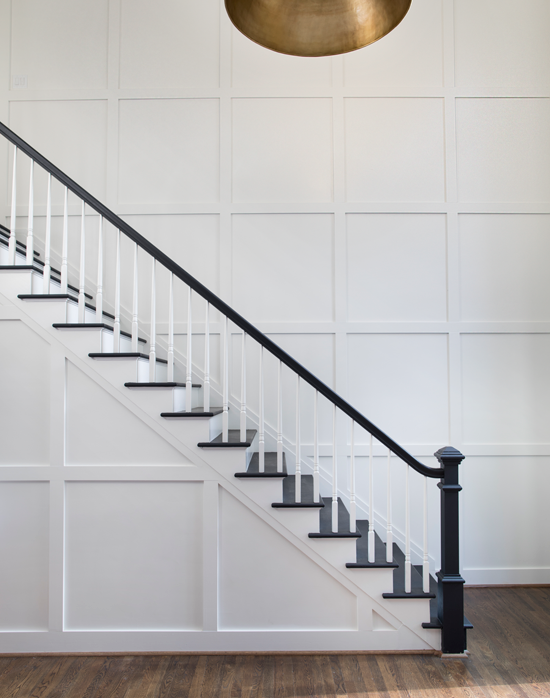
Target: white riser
[
  {"x": 84, "y": 340},
  {"x": 157, "y": 400},
  {"x": 120, "y": 370}
]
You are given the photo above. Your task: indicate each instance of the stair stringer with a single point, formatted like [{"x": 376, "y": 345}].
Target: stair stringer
[{"x": 397, "y": 614}]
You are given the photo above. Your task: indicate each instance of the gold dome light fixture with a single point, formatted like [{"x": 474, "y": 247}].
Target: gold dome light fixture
[{"x": 316, "y": 27}]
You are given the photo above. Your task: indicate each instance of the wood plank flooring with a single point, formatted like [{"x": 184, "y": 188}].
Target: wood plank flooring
[{"x": 509, "y": 656}]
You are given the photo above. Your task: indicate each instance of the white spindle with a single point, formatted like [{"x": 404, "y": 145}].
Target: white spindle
[
  {"x": 352, "y": 508},
  {"x": 170, "y": 370},
  {"x": 298, "y": 478},
  {"x": 30, "y": 219},
  {"x": 153, "y": 330},
  {"x": 334, "y": 475},
  {"x": 425, "y": 561},
  {"x": 13, "y": 240},
  {"x": 206, "y": 390},
  {"x": 82, "y": 278},
  {"x": 261, "y": 442},
  {"x": 280, "y": 417},
  {"x": 65, "y": 243},
  {"x": 316, "y": 447},
  {"x": 407, "y": 534},
  {"x": 371, "y": 539},
  {"x": 116, "y": 338},
  {"x": 225, "y": 397},
  {"x": 48, "y": 244},
  {"x": 389, "y": 531},
  {"x": 189, "y": 373},
  {"x": 99, "y": 291},
  {"x": 243, "y": 391},
  {"x": 135, "y": 304}
]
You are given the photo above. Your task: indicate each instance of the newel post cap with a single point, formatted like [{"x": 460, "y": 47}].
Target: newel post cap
[{"x": 449, "y": 455}]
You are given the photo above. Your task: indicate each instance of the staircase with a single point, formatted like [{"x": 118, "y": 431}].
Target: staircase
[{"x": 302, "y": 548}]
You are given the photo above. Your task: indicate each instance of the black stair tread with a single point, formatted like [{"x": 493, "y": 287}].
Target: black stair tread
[
  {"x": 325, "y": 522},
  {"x": 164, "y": 384},
  {"x": 399, "y": 580},
  {"x": 289, "y": 494},
  {"x": 122, "y": 355},
  {"x": 40, "y": 270},
  {"x": 20, "y": 267},
  {"x": 96, "y": 325},
  {"x": 234, "y": 440},
  {"x": 57, "y": 297},
  {"x": 362, "y": 555},
  {"x": 270, "y": 463},
  {"x": 195, "y": 412}
]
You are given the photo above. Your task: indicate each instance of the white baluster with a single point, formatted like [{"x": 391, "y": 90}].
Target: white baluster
[
  {"x": 30, "y": 220},
  {"x": 47, "y": 248},
  {"x": 135, "y": 304},
  {"x": 407, "y": 534},
  {"x": 207, "y": 359},
  {"x": 153, "y": 331},
  {"x": 425, "y": 561},
  {"x": 81, "y": 296},
  {"x": 242, "y": 436},
  {"x": 352, "y": 506},
  {"x": 316, "y": 447},
  {"x": 298, "y": 477},
  {"x": 189, "y": 377},
  {"x": 279, "y": 418},
  {"x": 65, "y": 243},
  {"x": 225, "y": 398},
  {"x": 170, "y": 372},
  {"x": 116, "y": 336},
  {"x": 389, "y": 531},
  {"x": 99, "y": 290},
  {"x": 334, "y": 475},
  {"x": 13, "y": 240},
  {"x": 261, "y": 441},
  {"x": 371, "y": 539}
]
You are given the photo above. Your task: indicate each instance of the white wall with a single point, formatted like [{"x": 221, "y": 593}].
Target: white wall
[{"x": 385, "y": 215}]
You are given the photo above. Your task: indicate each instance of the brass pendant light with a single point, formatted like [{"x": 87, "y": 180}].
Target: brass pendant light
[{"x": 316, "y": 27}]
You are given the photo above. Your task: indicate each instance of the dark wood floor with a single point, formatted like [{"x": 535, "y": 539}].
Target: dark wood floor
[{"x": 509, "y": 646}]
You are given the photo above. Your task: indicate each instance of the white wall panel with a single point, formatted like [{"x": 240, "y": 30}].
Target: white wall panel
[
  {"x": 24, "y": 548},
  {"x": 504, "y": 267},
  {"x": 169, "y": 43},
  {"x": 168, "y": 151},
  {"x": 133, "y": 556},
  {"x": 256, "y": 591},
  {"x": 394, "y": 149},
  {"x": 502, "y": 44},
  {"x": 56, "y": 129},
  {"x": 412, "y": 54},
  {"x": 400, "y": 382},
  {"x": 283, "y": 267},
  {"x": 24, "y": 372},
  {"x": 254, "y": 66},
  {"x": 503, "y": 149},
  {"x": 282, "y": 150},
  {"x": 60, "y": 45},
  {"x": 506, "y": 388},
  {"x": 100, "y": 431},
  {"x": 507, "y": 526},
  {"x": 397, "y": 267}
]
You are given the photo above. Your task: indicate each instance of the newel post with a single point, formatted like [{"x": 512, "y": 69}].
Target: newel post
[{"x": 450, "y": 592}]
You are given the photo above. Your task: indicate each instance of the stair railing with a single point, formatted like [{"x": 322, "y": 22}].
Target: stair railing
[{"x": 450, "y": 613}]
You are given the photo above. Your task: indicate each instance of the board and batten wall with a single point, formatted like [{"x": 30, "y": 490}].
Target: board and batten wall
[{"x": 384, "y": 215}]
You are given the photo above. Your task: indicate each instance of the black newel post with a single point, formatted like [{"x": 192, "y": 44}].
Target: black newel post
[{"x": 450, "y": 592}]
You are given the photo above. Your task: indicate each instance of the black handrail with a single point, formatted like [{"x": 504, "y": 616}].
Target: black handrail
[{"x": 220, "y": 305}]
